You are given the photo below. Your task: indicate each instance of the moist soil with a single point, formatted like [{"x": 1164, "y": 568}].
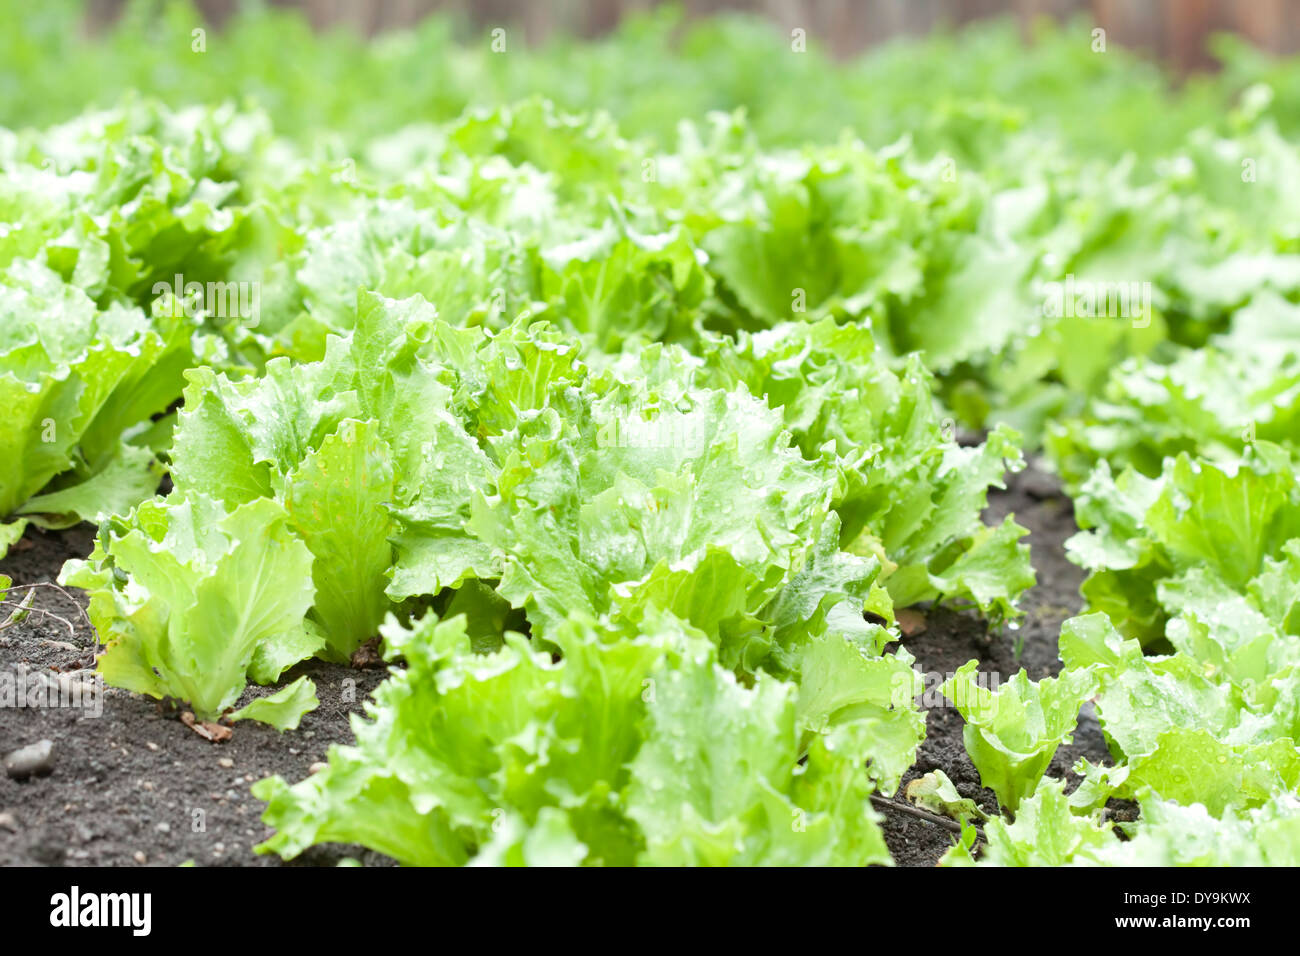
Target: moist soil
[
  {"x": 133, "y": 786},
  {"x": 952, "y": 638}
]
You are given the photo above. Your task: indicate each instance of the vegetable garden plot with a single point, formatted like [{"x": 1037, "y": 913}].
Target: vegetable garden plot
[{"x": 645, "y": 457}]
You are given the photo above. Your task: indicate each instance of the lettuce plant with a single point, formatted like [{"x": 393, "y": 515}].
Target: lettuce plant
[
  {"x": 419, "y": 462},
  {"x": 633, "y": 746},
  {"x": 1224, "y": 524},
  {"x": 627, "y": 422},
  {"x": 192, "y": 600},
  {"x": 1012, "y": 733},
  {"x": 77, "y": 384}
]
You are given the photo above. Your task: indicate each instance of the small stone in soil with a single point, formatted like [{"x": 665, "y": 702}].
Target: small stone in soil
[
  {"x": 226, "y": 762},
  {"x": 911, "y": 622},
  {"x": 8, "y": 821},
  {"x": 139, "y": 857},
  {"x": 33, "y": 760}
]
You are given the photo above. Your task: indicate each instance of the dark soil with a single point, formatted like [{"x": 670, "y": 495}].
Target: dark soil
[
  {"x": 950, "y": 639},
  {"x": 134, "y": 786}
]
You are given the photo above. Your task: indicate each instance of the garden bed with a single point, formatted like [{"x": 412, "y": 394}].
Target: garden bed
[{"x": 136, "y": 786}]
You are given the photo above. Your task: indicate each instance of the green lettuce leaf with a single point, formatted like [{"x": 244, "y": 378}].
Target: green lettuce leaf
[
  {"x": 283, "y": 709},
  {"x": 191, "y": 600},
  {"x": 599, "y": 756},
  {"x": 1012, "y": 733}
]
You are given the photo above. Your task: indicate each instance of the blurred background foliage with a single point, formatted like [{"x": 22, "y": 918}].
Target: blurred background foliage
[
  {"x": 1176, "y": 30},
  {"x": 353, "y": 68}
]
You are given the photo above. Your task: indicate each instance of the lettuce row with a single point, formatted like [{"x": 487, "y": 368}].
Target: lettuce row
[
  {"x": 1191, "y": 649},
  {"x": 500, "y": 476},
  {"x": 634, "y": 746}
]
